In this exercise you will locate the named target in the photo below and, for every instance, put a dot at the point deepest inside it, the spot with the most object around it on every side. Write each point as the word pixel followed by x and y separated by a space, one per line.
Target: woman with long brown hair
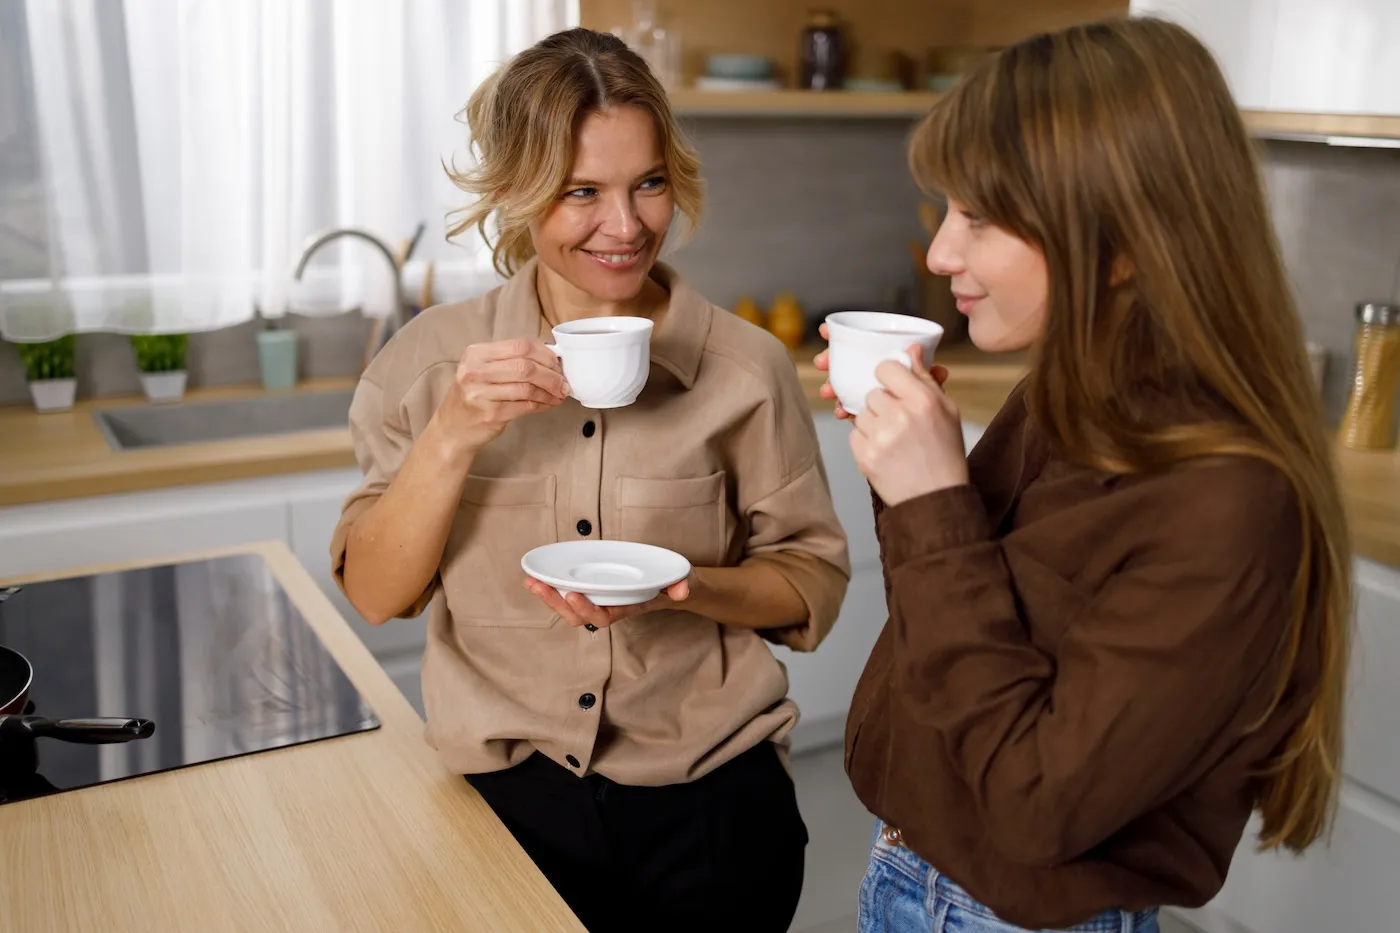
pixel 637 753
pixel 1120 625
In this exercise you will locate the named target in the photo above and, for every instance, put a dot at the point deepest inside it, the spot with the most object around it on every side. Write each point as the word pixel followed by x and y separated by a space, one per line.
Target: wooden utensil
pixel 425 293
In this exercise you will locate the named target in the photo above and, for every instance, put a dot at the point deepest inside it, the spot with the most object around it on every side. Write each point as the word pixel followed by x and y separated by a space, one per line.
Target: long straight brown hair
pixel 1115 148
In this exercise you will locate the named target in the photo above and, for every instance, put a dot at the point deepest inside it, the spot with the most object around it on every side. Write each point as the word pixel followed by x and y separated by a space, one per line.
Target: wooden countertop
pixel 362 832
pixel 64 455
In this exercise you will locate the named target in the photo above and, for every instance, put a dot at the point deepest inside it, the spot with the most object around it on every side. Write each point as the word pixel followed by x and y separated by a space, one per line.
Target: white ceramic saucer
pixel 609 573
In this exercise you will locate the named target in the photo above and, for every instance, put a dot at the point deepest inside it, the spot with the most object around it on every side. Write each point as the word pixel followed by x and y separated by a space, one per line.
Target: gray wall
pixel 826 208
pixel 1337 213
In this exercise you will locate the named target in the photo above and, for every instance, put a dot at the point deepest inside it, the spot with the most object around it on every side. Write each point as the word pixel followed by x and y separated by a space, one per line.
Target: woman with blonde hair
pixel 1120 625
pixel 637 754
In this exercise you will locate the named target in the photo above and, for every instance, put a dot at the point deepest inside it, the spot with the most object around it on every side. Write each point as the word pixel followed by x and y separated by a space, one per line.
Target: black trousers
pixel 722 853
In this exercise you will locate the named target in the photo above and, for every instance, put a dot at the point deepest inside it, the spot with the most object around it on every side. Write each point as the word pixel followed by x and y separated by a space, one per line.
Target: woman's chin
pixel 613 284
pixel 991 337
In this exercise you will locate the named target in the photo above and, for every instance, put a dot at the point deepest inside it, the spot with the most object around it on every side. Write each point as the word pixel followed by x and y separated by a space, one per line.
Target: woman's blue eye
pixel 653 183
pixel 581 193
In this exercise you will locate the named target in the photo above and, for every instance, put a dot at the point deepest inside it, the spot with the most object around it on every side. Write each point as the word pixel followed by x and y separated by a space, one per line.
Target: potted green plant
pixel 49 368
pixel 161 359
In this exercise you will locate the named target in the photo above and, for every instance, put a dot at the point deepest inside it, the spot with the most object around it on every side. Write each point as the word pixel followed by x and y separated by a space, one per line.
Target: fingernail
pixel 567 390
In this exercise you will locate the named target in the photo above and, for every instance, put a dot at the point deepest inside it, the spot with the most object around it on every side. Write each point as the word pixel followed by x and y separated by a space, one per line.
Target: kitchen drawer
pixel 76 533
pixel 1372 752
pixel 406 671
pixel 821 682
pixel 312 517
pixel 1349 887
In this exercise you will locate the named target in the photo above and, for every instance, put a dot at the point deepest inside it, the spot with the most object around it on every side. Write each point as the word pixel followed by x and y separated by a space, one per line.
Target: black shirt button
pixel 585 527
pixel 573 762
pixel 588 428
pixel 587 700
pixel 590 626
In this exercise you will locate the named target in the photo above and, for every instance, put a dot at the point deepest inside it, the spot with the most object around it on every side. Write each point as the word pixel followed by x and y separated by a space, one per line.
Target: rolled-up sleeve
pixel 381 444
pixel 793 527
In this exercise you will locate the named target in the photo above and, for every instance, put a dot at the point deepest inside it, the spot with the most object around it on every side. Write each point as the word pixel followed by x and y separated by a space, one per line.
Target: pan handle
pixel 85 731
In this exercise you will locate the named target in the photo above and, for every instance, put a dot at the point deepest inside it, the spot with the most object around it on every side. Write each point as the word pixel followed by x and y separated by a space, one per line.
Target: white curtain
pixel 163 161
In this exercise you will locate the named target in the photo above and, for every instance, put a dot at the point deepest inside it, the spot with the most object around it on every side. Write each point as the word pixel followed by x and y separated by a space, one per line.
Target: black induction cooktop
pixel 213 651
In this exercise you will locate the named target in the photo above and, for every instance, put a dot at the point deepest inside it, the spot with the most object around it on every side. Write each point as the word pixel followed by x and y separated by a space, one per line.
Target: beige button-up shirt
pixel 717 459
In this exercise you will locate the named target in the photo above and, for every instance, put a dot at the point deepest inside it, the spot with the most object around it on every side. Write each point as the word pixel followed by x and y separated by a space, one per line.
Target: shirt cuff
pixel 937 521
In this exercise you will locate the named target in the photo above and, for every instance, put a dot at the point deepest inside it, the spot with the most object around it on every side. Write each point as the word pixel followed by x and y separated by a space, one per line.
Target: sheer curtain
pixel 162 161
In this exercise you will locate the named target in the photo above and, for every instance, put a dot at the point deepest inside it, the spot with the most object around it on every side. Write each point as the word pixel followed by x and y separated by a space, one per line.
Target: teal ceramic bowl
pixel 747 67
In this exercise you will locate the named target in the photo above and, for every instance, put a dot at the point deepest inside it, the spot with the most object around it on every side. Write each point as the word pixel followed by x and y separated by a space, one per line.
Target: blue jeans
pixel 902 893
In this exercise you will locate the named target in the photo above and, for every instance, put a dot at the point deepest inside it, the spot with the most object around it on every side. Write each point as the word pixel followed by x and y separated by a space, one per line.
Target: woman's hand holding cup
pixel 822 361
pixel 496 383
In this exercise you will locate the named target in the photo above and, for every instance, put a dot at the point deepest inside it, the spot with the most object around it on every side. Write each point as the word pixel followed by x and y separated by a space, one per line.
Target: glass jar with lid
pixel 1369 422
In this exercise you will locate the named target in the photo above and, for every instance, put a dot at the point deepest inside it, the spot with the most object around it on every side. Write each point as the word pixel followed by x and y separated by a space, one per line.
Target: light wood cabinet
pixel 874 28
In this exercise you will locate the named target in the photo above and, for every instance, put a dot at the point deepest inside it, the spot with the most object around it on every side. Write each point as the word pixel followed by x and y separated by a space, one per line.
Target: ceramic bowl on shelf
pixel 722 85
pixel 608 573
pixel 741 67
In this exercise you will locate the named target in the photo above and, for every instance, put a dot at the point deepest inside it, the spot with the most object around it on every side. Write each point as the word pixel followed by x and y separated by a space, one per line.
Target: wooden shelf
pixel 1319 126
pixel 792 103
pixel 1268 124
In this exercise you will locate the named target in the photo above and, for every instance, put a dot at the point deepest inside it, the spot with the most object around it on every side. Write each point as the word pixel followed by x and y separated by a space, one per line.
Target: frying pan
pixel 16 674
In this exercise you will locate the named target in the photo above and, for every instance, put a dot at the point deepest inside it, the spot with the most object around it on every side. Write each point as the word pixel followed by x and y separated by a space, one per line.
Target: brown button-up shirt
pixel 1058 712
pixel 717 460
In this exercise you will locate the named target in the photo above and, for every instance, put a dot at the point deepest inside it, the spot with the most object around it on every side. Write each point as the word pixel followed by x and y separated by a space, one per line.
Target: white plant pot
pixel 53 394
pixel 164 387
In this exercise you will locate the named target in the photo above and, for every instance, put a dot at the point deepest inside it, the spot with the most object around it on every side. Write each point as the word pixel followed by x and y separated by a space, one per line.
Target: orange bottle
pixel 786 320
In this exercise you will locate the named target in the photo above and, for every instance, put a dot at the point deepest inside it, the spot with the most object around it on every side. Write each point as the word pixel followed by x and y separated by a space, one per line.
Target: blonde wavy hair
pixel 522 122
pixel 1120 141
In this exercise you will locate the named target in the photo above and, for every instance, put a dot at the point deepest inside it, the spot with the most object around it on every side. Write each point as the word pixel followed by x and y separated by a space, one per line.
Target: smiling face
pixel 1000 282
pixel 603 233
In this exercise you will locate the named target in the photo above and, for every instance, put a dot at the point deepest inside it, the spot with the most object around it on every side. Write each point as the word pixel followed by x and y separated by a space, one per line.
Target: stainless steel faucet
pixel 397 315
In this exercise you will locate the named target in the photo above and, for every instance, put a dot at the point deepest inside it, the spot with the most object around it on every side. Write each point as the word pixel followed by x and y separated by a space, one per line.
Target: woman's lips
pixel 967 302
pixel 616 260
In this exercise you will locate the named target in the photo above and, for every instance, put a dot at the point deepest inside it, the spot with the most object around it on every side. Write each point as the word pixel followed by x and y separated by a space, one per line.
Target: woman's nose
pixel 944 253
pixel 622 222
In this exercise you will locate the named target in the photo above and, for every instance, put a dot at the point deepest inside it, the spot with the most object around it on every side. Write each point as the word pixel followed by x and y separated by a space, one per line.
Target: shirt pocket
pixel 498 520
pixel 688 516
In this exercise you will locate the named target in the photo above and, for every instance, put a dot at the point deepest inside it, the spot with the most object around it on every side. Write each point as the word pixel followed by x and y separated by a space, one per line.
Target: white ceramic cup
pixel 860 341
pixel 606 359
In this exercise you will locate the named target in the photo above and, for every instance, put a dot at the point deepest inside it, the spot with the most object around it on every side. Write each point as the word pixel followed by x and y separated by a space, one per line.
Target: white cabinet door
pixel 1336 57
pixel 136 526
pixel 1372 749
pixel 313 513
pixel 1349 886
pixel 821 682
pixel 1239 33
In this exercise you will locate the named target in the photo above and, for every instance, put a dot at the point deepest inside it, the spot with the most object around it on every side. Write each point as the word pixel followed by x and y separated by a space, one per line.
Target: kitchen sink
pixel 226 419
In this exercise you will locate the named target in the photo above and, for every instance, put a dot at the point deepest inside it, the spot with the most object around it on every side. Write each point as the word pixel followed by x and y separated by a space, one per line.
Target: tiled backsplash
pixel 329 346
pixel 825 209
pixel 1337 213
